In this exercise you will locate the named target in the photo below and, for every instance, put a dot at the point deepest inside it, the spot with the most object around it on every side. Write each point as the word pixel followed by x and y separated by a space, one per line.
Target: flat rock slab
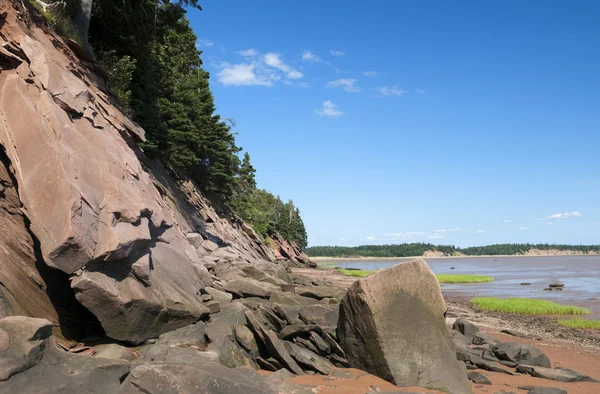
pixel 558 374
pixel 392 325
pixel 208 378
pixel 478 378
pixel 542 390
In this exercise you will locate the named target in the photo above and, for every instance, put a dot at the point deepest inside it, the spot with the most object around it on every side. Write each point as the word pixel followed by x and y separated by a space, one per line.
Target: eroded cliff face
pixel 133 244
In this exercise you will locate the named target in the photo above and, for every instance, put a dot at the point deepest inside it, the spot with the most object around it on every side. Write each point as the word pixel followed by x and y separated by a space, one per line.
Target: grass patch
pixel 527 306
pixel 458 278
pixel 580 323
pixel 359 273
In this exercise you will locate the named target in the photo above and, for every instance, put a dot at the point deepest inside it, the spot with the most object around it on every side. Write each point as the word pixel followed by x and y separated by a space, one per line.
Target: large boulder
pixel 392 325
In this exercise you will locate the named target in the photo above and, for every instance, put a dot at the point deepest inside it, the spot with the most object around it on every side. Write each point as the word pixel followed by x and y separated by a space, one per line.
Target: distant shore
pixel 320 259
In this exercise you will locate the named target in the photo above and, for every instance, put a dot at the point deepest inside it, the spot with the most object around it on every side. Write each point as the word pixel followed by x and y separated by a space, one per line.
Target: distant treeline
pixel 419 249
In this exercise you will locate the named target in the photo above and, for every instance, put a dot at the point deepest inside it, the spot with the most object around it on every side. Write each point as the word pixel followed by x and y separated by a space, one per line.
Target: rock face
pixel 392 325
pixel 90 231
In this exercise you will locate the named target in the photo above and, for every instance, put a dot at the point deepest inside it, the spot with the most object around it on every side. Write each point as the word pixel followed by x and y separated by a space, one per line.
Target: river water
pixel 580 275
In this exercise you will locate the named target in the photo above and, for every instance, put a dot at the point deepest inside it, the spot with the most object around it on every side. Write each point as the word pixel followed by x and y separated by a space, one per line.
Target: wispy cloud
pixel 337 53
pixel 329 109
pixel 524 228
pixel 371 238
pixel 507 221
pixel 480 231
pixel 370 73
pixel 308 56
pixel 435 236
pixel 565 215
pixel 204 43
pixel 406 234
pixel 248 52
pixel 347 84
pixel 457 229
pixel 390 91
pixel 274 60
pixel 420 91
pixel 441 230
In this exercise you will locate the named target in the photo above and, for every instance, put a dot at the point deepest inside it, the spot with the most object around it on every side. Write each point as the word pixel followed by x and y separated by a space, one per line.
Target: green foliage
pixel 580 323
pixel 400 250
pixel 269 215
pixel 526 306
pixel 418 249
pixel 120 71
pixel 59 18
pixel 459 278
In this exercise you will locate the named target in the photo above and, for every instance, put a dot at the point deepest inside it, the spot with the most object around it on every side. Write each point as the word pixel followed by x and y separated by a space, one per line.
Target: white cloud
pixel 329 109
pixel 248 52
pixel 204 43
pixel 370 73
pixel 548 223
pixel 342 239
pixel 346 84
pixel 457 229
pixel 308 56
pixel 407 234
pixel 441 230
pixel 480 231
pixel 337 53
pixel 524 228
pixel 371 238
pixel 420 91
pixel 435 236
pixel 564 215
pixel 243 75
pixel 274 60
pixel 390 91
pixel 507 221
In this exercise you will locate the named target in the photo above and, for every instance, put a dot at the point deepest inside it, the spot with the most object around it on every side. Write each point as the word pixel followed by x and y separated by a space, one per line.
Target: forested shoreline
pixel 156 77
pixel 420 249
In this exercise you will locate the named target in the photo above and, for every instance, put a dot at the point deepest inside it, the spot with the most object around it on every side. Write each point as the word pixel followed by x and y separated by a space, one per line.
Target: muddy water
pixel 580 275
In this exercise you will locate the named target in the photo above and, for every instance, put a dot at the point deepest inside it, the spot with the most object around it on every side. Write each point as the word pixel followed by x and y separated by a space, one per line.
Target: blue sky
pixel 462 123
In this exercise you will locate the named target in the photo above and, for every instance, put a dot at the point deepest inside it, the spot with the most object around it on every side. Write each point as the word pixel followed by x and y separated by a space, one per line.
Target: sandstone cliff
pixel 92 234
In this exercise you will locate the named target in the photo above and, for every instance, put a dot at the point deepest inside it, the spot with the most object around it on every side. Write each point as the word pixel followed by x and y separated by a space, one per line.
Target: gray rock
pixel 246 339
pixel 213 307
pixel 255 327
pixel 266 365
pixel 335 347
pixel 282 374
pixel 341 374
pixel 320 343
pixel 192 335
pixel 271 318
pixel 241 288
pixel 558 374
pixel 289 313
pixel 321 315
pixel 515 333
pixel 482 339
pixel 115 352
pixel 478 378
pixel 320 292
pixel 289 332
pixel 392 325
pixel 219 331
pixel 521 354
pixel 489 366
pixel 221 297
pixel 542 390
pixel 339 361
pixel 22 343
pixel 460 339
pixel 208 378
pixel 290 299
pixel 308 359
pixel 62 372
pixel 277 349
pixel 465 327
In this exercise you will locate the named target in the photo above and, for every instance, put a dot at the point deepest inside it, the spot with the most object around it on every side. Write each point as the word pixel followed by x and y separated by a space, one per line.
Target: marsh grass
pixel 359 273
pixel 459 278
pixel 580 323
pixel 527 306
